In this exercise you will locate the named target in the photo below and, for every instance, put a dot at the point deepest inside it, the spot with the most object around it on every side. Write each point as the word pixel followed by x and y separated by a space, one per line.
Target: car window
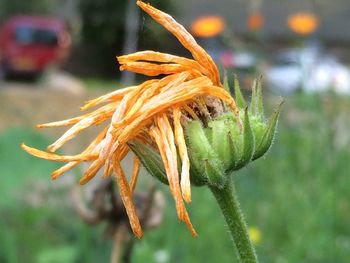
pixel 30 35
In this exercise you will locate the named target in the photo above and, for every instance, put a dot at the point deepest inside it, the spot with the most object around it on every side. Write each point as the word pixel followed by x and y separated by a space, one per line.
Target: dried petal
pixel 181 144
pixel 185 38
pixel 135 173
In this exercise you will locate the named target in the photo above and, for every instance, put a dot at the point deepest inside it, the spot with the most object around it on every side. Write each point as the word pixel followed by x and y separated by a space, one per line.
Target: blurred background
pixel 55 54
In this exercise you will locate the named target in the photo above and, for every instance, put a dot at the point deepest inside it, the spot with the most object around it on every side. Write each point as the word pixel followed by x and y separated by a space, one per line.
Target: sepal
pixel 266 141
pixel 248 142
pixel 150 159
pixel 238 93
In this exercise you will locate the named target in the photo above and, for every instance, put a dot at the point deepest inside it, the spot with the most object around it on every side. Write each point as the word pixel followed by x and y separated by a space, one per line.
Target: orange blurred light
pixel 303 23
pixel 255 21
pixel 207 26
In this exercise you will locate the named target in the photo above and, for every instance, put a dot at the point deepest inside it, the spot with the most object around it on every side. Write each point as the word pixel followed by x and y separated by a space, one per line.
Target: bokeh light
pixel 207 26
pixel 255 21
pixel 303 23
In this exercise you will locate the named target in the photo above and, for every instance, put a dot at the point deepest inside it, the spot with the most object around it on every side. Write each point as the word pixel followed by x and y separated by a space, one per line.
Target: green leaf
pixel 248 142
pixel 221 142
pixel 150 159
pixel 200 149
pixel 226 86
pixel 269 134
pixel 238 94
pixel 234 153
pixel 256 104
pixel 216 177
pixel 259 99
pixel 253 98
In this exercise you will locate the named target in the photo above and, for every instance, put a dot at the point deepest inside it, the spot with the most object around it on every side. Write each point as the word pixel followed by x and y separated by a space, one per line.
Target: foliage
pixel 103 30
pixel 31 228
pixel 14 7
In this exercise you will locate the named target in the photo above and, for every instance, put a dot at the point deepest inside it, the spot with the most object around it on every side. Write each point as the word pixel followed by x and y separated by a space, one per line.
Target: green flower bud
pixel 220 146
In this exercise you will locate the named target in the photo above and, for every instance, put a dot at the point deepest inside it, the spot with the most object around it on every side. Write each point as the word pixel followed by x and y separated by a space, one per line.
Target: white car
pixel 309 70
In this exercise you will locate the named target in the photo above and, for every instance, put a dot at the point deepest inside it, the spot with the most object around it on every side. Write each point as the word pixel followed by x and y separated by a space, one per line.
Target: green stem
pixel 228 202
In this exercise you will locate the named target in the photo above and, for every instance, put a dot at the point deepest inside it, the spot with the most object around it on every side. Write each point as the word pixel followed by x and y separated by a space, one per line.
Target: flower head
pixel 254 234
pixel 150 119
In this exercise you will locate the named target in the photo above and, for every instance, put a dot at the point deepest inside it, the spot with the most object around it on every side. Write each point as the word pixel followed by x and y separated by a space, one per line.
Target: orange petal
pixel 135 173
pixel 166 100
pixel 88 150
pixel 74 120
pixel 142 99
pixel 126 103
pixel 98 117
pixel 190 111
pixel 165 153
pixel 151 69
pixel 118 152
pixel 56 157
pixel 185 38
pixel 189 225
pixel 167 135
pixel 63 122
pixel 162 57
pixel 126 197
pixel 181 145
pixel 163 98
pixel 152 91
pixel 68 166
pixel 112 96
pixel 91 171
pixel 163 137
pixel 203 107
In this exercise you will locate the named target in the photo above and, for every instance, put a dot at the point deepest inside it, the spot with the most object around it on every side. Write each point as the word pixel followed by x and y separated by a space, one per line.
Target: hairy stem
pixel 228 202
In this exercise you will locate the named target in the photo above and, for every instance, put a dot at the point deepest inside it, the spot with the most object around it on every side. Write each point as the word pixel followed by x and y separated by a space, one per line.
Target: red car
pixel 29 44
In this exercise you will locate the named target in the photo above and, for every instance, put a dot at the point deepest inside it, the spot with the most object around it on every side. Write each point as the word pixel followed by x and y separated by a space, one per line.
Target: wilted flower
pixel 186 113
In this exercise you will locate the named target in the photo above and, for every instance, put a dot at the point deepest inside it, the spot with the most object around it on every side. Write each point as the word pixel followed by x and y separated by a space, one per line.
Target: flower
pixel 150 113
pixel 254 234
pixel 157 120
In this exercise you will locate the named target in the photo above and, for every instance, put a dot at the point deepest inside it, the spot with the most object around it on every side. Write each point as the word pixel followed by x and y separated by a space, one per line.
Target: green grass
pixel 47 232
pixel 18 168
pixel 98 84
pixel 297 196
